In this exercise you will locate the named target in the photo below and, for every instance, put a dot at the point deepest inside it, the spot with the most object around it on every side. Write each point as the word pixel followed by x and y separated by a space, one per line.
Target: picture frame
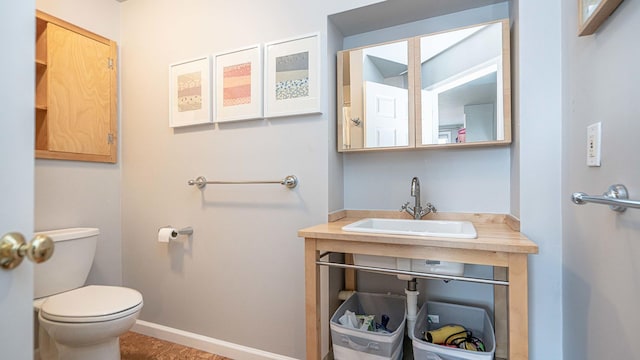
pixel 292 76
pixel 592 13
pixel 238 85
pixel 190 92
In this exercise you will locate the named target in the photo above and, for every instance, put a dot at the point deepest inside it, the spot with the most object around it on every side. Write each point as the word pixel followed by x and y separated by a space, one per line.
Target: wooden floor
pixel 134 346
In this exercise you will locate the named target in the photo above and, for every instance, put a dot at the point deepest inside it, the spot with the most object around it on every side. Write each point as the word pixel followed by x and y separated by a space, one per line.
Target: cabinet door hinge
pixel 110 63
pixel 110 138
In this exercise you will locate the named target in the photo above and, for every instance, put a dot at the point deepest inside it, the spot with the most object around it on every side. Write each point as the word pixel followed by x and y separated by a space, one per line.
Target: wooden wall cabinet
pixel 76 93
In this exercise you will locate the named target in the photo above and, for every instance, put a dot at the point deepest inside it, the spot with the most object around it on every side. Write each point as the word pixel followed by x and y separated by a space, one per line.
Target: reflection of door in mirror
pixel 387 116
pixel 462 70
pixel 375 96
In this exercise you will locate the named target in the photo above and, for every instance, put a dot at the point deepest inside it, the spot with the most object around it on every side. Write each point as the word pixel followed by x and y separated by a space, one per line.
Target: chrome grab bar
pixel 290 181
pixel 616 197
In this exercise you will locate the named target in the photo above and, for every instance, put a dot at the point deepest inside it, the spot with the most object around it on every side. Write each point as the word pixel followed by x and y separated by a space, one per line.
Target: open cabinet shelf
pixel 75 93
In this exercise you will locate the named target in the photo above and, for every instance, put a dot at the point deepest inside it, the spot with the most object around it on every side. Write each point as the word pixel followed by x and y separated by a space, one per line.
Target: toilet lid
pixel 92 303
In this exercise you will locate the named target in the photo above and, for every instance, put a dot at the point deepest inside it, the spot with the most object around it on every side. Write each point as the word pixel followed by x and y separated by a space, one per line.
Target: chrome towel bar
pixel 412 273
pixel 616 197
pixel 290 181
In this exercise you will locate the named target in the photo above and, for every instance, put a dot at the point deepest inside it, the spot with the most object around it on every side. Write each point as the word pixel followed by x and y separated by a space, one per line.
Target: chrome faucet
pixel 417 211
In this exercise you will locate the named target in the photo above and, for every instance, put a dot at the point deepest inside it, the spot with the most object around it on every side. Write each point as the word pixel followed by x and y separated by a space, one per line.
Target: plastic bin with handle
pixel 473 319
pixel 350 343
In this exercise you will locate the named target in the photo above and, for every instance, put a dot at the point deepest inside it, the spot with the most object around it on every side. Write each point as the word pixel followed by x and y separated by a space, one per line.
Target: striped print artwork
pixel 237 84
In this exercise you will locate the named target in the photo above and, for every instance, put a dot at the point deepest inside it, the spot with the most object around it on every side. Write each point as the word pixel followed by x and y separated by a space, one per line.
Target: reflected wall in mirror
pixel 464 92
pixel 374 96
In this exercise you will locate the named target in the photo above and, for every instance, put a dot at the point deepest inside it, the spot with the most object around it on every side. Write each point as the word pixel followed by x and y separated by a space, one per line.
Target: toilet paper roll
pixel 166 234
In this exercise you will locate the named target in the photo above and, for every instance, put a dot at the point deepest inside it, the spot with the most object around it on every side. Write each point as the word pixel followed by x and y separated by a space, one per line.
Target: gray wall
pixel 82 194
pixel 540 120
pixel 601 248
pixel 453 180
pixel 336 178
pixel 370 72
pixel 240 278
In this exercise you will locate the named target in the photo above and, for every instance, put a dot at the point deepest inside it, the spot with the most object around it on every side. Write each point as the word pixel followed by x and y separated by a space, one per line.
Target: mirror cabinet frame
pixel 341 93
pixel 414 93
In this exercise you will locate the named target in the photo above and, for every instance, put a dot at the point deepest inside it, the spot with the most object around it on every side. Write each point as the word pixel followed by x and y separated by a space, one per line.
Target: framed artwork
pixel 292 76
pixel 592 13
pixel 190 92
pixel 238 84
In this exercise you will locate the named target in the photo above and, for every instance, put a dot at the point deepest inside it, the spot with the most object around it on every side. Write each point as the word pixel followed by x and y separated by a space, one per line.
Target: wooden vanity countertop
pixel 495 232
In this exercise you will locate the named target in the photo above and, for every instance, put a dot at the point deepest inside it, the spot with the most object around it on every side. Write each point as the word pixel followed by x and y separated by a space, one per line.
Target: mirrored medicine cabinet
pixel 445 89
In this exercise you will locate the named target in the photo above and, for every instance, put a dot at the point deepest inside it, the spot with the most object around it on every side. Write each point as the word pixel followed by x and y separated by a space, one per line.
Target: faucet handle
pixel 429 208
pixel 404 206
pixel 432 208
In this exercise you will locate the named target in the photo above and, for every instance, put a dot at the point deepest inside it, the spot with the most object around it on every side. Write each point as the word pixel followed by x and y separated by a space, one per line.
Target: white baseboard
pixel 204 343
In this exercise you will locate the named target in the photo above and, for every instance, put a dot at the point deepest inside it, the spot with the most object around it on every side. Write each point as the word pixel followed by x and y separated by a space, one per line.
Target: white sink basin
pixel 436 228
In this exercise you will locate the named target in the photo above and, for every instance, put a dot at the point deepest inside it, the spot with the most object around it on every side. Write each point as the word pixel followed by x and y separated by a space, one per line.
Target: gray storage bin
pixel 350 343
pixel 472 318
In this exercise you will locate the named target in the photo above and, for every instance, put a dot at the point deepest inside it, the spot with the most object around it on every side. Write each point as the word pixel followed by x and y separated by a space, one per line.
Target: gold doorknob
pixel 13 249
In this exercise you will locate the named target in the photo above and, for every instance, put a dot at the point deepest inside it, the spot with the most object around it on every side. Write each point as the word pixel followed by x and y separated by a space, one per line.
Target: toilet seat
pixel 92 303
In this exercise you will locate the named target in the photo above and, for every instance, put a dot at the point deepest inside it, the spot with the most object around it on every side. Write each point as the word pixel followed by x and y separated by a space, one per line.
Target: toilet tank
pixel 70 263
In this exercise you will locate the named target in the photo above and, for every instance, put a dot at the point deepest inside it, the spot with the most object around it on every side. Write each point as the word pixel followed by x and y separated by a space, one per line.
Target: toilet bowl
pixel 84 322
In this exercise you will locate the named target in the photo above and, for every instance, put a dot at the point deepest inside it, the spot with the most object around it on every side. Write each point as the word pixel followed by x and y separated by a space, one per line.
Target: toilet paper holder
pixel 184 231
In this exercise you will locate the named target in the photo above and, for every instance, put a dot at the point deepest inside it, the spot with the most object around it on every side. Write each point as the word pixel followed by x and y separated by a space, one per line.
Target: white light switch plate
pixel 594 135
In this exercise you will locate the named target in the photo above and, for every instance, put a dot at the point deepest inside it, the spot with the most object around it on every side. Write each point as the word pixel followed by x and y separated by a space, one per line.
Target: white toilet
pixel 76 321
